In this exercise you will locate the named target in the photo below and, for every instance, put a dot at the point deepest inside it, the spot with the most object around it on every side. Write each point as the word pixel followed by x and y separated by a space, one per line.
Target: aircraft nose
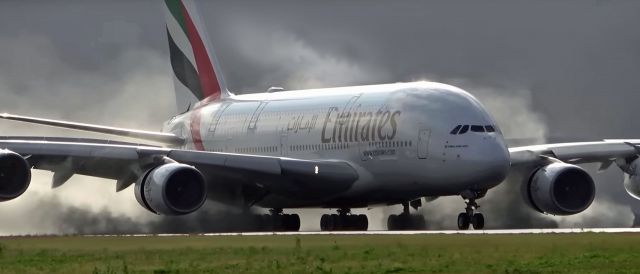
pixel 492 162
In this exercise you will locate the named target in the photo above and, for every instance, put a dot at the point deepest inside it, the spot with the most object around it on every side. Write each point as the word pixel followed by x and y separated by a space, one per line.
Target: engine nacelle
pixel 632 180
pixel 15 175
pixel 560 189
pixel 171 189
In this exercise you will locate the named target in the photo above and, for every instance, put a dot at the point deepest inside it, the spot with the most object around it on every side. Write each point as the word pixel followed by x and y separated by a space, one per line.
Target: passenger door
pixel 423 143
pixel 284 147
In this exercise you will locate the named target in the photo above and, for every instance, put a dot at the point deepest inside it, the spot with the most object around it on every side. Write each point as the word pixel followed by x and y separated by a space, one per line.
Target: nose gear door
pixel 423 143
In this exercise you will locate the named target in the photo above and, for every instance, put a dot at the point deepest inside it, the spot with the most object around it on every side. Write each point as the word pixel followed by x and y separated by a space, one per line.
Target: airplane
pixel 338 148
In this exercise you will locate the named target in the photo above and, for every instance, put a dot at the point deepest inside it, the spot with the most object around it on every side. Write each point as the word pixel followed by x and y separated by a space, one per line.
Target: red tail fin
pixel 197 76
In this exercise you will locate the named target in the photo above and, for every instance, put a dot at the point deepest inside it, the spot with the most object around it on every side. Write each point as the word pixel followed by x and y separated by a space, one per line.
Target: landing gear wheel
pixel 477 221
pixel 363 222
pixel 291 222
pixel 276 221
pixel 392 222
pixel 258 223
pixel 334 223
pixel 267 222
pixel 463 221
pixel 418 222
pixel 406 221
pixel 343 221
pixel 324 222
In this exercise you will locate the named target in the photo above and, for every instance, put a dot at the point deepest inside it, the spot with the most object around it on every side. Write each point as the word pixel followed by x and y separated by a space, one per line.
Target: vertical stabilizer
pixel 196 72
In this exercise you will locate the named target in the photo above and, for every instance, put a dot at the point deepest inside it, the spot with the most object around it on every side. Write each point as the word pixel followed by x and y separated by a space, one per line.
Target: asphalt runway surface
pixel 410 232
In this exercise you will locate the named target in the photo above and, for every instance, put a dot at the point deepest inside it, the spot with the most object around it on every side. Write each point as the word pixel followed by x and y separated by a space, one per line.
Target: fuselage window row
pixel 339 146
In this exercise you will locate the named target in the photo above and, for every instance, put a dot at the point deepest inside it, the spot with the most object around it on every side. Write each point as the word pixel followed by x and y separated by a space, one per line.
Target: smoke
pixel 134 90
pixel 291 62
pixel 43 214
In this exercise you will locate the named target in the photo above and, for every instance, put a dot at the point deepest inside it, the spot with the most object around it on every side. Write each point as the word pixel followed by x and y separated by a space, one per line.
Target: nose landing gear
pixel 469 217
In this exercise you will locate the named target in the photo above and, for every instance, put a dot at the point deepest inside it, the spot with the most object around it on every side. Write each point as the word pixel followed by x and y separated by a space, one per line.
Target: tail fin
pixel 197 75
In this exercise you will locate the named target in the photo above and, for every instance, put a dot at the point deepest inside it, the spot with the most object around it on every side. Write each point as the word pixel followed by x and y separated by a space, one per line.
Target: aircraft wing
pixel 605 152
pixel 125 162
pixel 160 137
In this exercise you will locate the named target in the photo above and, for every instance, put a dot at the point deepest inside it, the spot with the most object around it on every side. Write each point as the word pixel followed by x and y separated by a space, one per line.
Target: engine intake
pixel 560 189
pixel 171 189
pixel 15 175
pixel 632 178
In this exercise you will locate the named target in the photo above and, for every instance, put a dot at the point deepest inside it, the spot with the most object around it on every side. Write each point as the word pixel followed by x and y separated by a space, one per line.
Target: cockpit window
pixel 477 128
pixel 455 130
pixel 464 129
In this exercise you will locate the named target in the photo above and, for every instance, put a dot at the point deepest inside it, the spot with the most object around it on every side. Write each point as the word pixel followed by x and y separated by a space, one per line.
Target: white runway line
pixel 412 232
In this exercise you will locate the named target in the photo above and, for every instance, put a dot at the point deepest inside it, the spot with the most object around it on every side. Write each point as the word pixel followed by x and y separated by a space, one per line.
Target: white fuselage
pixel 397 136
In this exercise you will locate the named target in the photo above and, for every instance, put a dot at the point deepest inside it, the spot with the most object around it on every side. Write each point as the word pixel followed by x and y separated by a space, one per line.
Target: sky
pixel 547 70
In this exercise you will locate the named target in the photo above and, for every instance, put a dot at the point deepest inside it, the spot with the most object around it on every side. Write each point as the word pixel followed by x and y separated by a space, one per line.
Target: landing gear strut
pixel 406 220
pixel 277 221
pixel 469 217
pixel 344 220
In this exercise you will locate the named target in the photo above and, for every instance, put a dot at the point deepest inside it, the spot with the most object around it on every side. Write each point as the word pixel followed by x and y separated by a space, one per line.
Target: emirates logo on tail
pixel 192 63
pixel 197 78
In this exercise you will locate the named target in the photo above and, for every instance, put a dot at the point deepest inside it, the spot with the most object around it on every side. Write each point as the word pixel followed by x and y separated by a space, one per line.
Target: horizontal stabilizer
pixel 166 138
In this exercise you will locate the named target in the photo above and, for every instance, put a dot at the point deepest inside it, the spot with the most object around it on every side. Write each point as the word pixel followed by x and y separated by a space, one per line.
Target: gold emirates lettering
pixel 341 127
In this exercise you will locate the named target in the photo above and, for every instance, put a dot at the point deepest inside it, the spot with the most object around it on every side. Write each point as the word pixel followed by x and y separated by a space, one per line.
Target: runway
pixel 411 232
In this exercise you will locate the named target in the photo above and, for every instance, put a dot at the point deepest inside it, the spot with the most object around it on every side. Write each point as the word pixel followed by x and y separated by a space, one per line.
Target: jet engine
pixel 15 175
pixel 171 189
pixel 560 189
pixel 632 178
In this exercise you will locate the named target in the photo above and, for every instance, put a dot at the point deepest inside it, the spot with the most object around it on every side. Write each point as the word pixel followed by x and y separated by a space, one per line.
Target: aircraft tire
pixel 418 222
pixel 392 223
pixel 335 222
pixel 477 221
pixel 363 222
pixel 463 221
pixel 324 222
pixel 292 222
pixel 267 223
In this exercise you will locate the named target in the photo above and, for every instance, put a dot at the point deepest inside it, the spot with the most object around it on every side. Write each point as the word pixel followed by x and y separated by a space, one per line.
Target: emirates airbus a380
pixel 339 148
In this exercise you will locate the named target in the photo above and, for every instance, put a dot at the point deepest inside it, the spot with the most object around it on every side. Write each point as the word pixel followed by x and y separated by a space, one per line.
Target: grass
pixel 542 253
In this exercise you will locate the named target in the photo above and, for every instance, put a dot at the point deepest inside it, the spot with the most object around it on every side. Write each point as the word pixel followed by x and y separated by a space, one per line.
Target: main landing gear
pixel 277 221
pixel 406 220
pixel 344 220
pixel 469 217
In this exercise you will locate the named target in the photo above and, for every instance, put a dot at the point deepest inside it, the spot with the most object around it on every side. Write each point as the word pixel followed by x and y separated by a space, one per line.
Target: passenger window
pixel 455 130
pixel 490 128
pixel 476 128
pixel 464 129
